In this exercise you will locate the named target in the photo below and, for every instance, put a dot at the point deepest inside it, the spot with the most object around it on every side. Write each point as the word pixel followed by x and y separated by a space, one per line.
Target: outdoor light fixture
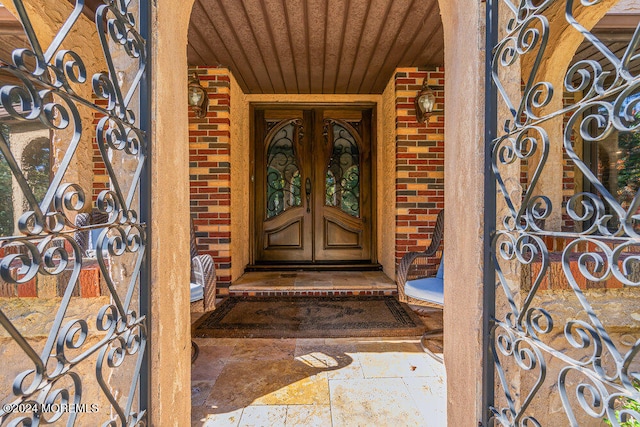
pixel 425 101
pixel 198 98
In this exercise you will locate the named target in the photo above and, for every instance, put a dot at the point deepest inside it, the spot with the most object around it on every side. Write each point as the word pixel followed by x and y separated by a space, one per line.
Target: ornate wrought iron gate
pixel 73 144
pixel 565 156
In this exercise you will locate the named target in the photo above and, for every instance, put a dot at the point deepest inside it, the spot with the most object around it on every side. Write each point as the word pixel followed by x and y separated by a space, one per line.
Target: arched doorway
pixel 251 55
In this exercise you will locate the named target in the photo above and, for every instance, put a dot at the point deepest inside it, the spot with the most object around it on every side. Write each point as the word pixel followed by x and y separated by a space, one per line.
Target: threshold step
pixel 310 293
pixel 314 267
pixel 315 283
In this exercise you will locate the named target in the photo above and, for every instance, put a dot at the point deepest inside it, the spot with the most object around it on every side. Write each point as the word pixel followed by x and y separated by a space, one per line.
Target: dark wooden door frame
pixel 253 106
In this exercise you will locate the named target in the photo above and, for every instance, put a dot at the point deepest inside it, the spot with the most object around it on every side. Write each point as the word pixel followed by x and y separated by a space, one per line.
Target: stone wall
pixel 35 316
pixel 617 309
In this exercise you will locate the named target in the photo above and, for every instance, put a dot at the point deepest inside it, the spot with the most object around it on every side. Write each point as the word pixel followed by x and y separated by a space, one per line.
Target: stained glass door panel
pixel 342 175
pixel 283 172
pixel 342 224
pixel 283 217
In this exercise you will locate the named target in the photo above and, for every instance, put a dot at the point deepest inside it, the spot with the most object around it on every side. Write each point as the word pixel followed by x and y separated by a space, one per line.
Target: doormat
pixel 309 317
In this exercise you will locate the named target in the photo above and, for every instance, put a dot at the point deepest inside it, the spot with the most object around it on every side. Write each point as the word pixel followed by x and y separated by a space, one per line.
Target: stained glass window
pixel 342 182
pixel 283 173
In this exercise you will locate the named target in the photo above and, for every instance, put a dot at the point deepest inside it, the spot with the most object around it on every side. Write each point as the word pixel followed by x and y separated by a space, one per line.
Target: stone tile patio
pixel 316 382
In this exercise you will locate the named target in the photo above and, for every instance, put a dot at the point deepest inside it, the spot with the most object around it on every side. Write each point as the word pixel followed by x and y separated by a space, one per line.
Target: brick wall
pixel 100 175
pixel 419 160
pixel 568 169
pixel 209 172
pixel 90 281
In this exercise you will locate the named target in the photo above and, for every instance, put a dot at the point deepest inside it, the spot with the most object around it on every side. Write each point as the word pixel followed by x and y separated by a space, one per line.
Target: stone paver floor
pixel 316 382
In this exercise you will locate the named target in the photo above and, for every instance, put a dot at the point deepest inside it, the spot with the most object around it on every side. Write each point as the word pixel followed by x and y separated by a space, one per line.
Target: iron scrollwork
pixel 88 366
pixel 283 179
pixel 342 181
pixel 565 271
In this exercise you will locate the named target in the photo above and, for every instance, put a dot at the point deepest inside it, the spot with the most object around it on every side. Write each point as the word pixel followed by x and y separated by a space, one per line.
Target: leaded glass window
pixel 342 179
pixel 283 172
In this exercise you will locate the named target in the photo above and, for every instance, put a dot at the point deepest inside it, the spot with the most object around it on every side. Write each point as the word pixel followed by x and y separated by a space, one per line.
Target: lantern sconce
pixel 198 99
pixel 425 102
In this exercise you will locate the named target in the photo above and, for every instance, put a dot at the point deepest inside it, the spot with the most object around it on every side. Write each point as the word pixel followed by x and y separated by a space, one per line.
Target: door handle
pixel 307 188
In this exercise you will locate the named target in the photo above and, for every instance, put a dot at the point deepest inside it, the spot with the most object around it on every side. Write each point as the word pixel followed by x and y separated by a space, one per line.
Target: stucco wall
pixel 240 183
pixel 386 179
pixel 170 326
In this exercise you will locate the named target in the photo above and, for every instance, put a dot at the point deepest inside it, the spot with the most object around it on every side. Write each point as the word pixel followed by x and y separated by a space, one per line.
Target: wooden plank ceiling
pixel 11 34
pixel 315 46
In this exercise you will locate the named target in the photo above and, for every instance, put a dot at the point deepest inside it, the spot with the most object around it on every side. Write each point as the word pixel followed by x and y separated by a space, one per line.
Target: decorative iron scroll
pixel 283 172
pixel 566 249
pixel 73 328
pixel 342 180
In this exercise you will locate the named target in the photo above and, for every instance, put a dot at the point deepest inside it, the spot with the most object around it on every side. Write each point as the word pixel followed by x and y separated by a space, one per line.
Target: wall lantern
pixel 425 101
pixel 198 98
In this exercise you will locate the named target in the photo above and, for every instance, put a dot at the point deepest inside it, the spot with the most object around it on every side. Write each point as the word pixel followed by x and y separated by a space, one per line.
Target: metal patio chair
pixel 417 283
pixel 203 277
pixel 87 240
pixel 202 284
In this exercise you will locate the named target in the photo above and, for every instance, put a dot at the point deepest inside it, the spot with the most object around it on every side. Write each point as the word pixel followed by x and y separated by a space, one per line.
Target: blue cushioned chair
pixel 427 289
pixel 417 284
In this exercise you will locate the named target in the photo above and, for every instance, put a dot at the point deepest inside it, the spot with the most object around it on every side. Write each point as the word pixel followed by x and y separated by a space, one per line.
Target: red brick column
pixel 210 173
pixel 419 160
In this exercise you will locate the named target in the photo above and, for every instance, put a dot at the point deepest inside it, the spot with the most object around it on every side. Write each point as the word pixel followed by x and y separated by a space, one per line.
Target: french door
pixel 312 190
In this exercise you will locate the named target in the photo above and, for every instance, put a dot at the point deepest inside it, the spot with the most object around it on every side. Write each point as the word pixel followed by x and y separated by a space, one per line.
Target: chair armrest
pixel 414 265
pixel 415 260
pixel 204 273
